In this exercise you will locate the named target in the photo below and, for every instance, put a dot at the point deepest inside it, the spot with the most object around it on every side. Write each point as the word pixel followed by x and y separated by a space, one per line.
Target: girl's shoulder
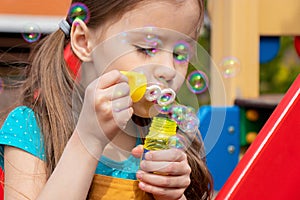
pixel 21 119
pixel 19 111
pixel 20 129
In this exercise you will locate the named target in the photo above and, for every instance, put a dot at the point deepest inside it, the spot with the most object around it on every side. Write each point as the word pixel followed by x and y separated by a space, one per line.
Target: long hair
pixel 49 86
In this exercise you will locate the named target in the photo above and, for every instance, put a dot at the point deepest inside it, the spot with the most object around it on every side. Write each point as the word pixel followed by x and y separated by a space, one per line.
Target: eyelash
pixel 148 51
pixel 145 51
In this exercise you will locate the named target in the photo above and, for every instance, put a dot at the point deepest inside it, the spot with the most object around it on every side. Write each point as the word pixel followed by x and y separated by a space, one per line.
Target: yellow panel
pixel 234 33
pixel 277 17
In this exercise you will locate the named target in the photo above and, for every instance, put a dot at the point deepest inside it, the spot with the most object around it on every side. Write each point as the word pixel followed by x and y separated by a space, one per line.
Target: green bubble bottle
pixel 161 130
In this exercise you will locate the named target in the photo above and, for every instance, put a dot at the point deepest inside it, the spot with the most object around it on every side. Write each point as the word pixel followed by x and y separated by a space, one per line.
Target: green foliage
pixel 277 75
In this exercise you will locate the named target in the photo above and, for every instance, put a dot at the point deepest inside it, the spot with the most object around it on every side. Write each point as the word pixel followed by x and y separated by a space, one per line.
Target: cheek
pixel 114 54
pixel 126 62
pixel 181 73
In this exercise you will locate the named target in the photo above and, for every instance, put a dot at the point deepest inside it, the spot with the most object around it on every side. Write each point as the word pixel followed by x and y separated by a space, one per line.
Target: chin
pixel 145 109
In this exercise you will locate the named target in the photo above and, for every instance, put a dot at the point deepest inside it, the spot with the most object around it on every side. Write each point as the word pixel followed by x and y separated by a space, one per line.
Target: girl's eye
pixel 147 51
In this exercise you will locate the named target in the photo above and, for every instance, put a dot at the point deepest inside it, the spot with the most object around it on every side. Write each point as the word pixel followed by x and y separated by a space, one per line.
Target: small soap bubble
pixel 80 11
pixel 190 111
pixel 230 66
pixel 152 93
pixel 31 33
pixel 163 109
pixel 152 43
pixel 152 39
pixel 166 97
pixel 181 52
pixel 178 113
pixel 189 125
pixel 151 51
pixel 197 82
pixel 177 141
pixel 123 37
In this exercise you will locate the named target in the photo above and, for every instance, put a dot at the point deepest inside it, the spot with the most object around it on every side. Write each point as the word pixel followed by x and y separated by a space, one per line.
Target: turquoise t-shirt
pixel 21 130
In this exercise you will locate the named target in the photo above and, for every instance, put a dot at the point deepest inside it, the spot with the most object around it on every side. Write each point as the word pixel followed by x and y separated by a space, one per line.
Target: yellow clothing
pixel 111 188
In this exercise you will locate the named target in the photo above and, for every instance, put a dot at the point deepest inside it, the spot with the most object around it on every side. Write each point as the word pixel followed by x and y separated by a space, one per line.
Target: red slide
pixel 270 169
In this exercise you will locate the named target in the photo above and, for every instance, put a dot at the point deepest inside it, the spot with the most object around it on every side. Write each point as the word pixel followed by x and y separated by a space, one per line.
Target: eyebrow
pixel 158 32
pixel 143 32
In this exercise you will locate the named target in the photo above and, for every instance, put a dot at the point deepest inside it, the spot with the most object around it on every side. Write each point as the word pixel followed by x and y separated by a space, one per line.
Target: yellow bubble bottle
pixel 161 130
pixel 137 83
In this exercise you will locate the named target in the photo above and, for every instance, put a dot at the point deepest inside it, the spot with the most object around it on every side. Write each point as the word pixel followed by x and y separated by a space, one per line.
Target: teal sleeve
pixel 21 130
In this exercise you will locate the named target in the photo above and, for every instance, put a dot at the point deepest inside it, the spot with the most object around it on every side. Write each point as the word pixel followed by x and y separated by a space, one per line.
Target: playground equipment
pixel 249 32
pixel 269 169
pixel 237 27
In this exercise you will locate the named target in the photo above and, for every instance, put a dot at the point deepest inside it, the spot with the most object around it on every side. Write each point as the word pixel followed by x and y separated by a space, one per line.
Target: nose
pixel 164 67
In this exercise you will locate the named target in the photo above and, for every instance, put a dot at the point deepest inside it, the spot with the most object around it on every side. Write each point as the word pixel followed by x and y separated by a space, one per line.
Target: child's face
pixel 155 39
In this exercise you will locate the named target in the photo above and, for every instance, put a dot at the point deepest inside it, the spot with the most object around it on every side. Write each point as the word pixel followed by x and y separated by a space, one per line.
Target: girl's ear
pixel 81 40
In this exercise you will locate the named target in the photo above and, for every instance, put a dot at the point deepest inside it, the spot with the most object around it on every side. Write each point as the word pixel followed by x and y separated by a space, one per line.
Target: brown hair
pixel 49 76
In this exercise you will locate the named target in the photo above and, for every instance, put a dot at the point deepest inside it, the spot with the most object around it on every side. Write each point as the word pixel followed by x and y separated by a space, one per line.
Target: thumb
pixel 137 151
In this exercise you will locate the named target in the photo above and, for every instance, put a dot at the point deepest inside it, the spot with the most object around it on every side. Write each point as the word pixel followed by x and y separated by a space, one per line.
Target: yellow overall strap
pixel 111 188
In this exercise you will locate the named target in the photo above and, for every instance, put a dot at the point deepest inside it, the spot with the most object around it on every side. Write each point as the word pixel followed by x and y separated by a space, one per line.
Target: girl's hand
pixel 105 111
pixel 171 173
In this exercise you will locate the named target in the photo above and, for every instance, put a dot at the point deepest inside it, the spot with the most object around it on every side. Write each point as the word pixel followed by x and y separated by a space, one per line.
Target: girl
pixel 57 148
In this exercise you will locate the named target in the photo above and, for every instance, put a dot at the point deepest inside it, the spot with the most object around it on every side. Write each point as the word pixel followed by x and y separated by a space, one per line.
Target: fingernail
pixel 142 185
pixel 139 175
pixel 148 156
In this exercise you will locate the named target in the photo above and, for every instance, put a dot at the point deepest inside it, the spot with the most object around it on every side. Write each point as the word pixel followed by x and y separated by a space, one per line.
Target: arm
pixel 73 173
pixel 98 124
pixel 25 176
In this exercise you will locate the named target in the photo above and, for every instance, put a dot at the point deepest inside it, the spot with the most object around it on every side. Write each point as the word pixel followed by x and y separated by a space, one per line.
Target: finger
pixel 163 193
pixel 182 181
pixel 122 117
pixel 117 91
pixel 137 151
pixel 170 168
pixel 103 97
pixel 120 104
pixel 111 78
pixel 171 155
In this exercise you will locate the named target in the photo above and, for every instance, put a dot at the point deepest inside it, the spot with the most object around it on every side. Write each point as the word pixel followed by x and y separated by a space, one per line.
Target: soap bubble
pixel 152 93
pixel 197 82
pixel 153 40
pixel 31 33
pixel 177 141
pixel 163 109
pixel 80 11
pixel 152 44
pixel 166 97
pixel 189 125
pixel 151 51
pixel 178 113
pixel 230 66
pixel 181 52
